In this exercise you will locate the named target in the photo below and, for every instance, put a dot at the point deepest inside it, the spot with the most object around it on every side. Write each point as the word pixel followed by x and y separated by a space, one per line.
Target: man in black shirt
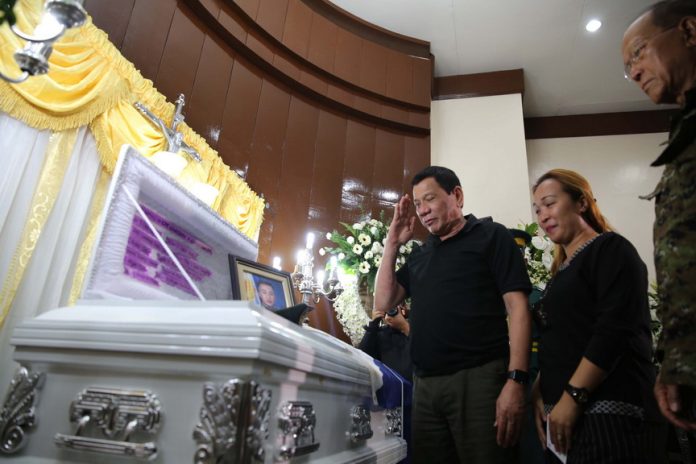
pixel 469 375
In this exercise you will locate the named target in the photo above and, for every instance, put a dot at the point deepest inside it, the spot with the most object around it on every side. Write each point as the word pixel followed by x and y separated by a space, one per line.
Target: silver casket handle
pixel 115 413
pixel 122 448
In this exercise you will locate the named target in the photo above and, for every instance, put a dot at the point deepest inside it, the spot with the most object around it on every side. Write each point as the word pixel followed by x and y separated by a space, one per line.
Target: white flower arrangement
pixel 364 257
pixel 350 312
pixel 539 256
pixel 359 263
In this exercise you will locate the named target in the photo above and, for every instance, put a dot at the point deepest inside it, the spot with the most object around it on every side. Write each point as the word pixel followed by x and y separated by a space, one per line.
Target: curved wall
pixel 323 114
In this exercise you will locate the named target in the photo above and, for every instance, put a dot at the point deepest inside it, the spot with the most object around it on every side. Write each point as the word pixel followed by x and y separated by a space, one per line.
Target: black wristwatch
pixel 580 395
pixel 521 377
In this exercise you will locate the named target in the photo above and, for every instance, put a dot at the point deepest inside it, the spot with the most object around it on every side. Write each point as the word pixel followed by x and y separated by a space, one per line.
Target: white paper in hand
pixel 563 457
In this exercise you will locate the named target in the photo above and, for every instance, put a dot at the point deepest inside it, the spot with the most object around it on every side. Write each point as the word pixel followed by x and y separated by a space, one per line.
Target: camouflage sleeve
pixel 675 264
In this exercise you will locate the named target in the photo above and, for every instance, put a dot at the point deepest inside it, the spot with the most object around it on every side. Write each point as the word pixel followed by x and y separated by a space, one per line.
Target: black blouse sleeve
pixel 620 286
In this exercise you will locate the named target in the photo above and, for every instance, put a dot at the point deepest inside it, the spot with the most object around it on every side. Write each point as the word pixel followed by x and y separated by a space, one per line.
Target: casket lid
pixel 207 331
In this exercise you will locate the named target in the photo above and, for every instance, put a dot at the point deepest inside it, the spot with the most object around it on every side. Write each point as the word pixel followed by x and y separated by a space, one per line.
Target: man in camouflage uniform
pixel 659 52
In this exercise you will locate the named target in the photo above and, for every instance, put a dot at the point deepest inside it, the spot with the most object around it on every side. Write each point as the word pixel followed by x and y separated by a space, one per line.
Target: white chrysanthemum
pixel 368 255
pixel 357 249
pixel 402 249
pixel 364 239
pixel 377 247
pixel 364 267
pixel 341 256
pixel 375 222
pixel 322 251
pixel 378 261
pixel 358 226
pixel 374 230
pixel 328 236
pixel 539 243
pixel 547 259
pixel 350 239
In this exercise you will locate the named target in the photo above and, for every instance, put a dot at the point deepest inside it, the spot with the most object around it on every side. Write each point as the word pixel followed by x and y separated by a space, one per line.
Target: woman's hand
pixel 562 419
pixel 539 413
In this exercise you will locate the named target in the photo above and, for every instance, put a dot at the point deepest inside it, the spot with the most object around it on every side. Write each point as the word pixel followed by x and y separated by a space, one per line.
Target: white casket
pixel 189 382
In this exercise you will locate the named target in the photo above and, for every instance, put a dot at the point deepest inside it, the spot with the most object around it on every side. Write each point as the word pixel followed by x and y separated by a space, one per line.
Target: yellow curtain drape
pixel 90 83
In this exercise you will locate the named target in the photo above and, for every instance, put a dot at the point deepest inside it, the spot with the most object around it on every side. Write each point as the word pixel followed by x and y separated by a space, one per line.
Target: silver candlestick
pixel 303 278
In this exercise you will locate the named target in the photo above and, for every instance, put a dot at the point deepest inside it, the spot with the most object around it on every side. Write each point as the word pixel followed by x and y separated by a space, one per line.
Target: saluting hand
pixel 402 225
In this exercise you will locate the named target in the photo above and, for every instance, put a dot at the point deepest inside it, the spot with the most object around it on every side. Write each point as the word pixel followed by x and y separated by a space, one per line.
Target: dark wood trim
pixel 369 31
pixel 222 33
pixel 479 85
pixel 587 125
pixel 281 49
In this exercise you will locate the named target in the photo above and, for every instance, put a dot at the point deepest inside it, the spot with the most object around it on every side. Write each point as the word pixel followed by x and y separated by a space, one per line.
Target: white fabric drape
pixel 48 277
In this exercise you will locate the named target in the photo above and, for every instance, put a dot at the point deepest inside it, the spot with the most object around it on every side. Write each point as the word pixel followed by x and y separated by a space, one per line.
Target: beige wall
pixel 618 168
pixel 482 140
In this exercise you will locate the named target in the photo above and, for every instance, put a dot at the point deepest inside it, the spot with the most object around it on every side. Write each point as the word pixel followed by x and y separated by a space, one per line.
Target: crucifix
pixel 175 139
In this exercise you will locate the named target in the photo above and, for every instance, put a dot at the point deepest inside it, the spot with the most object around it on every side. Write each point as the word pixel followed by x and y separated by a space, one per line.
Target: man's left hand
pixel 509 413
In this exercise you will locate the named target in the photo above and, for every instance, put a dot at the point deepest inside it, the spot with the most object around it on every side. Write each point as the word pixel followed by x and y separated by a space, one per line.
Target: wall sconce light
pixel 57 17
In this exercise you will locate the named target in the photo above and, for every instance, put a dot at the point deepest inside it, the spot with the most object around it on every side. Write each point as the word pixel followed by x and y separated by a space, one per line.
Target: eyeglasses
pixel 639 51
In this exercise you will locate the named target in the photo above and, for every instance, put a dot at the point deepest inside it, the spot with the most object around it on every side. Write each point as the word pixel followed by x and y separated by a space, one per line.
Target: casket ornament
pixel 18 409
pixel 394 421
pixel 360 428
pixel 296 423
pixel 234 422
pixel 116 414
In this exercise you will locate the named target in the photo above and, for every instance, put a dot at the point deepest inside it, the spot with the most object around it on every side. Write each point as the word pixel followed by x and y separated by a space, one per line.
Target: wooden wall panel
pixel 207 103
pixel 250 7
pixel 325 202
pixel 322 43
pixel 298 24
pixel 373 67
pixel 266 154
pixel 422 82
pixel 239 119
pixel 356 191
pixel 326 124
pixel 399 76
pixel 112 17
pixel 147 34
pixel 271 17
pixel 388 174
pixel 295 180
pixel 179 63
pixel 347 57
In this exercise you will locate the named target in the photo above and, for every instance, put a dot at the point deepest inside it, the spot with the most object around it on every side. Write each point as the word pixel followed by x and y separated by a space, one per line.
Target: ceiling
pixel 567 70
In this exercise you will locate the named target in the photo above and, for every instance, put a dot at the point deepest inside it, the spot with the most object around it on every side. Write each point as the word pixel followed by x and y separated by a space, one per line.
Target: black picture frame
pixel 252 281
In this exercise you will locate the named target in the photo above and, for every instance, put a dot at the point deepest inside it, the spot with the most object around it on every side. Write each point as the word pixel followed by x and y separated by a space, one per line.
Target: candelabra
pixel 304 281
pixel 58 15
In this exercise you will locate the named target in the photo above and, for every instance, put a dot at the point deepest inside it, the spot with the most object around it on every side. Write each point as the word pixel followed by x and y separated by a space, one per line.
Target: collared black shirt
pixel 458 316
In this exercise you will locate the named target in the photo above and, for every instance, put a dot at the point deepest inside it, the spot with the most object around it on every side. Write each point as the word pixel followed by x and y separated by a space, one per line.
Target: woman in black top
pixel 596 375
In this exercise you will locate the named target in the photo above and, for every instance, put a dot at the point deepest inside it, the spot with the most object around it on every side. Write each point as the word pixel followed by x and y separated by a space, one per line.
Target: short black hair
pixel 668 13
pixel 264 282
pixel 445 177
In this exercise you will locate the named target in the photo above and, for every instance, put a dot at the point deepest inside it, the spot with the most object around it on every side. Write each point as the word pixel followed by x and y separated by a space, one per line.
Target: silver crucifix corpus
pixel 175 139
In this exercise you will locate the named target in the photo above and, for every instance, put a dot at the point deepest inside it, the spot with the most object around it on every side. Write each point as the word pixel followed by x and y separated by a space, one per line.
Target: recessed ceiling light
pixel 593 25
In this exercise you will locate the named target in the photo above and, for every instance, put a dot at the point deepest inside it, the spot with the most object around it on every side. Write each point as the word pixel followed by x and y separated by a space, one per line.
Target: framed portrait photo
pixel 264 285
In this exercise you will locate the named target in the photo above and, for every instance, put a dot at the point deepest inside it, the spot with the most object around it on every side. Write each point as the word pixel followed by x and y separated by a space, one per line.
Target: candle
pixel 310 240
pixel 276 262
pixel 333 265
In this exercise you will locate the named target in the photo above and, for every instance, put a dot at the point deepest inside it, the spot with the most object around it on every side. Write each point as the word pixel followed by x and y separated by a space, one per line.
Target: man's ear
pixel 687 27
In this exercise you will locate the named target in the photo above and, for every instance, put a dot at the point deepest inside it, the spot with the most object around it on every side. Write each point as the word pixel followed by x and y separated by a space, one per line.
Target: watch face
pixel 579 395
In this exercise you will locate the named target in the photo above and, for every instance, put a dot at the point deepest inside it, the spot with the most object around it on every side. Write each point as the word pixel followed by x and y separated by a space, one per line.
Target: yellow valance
pixel 90 83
